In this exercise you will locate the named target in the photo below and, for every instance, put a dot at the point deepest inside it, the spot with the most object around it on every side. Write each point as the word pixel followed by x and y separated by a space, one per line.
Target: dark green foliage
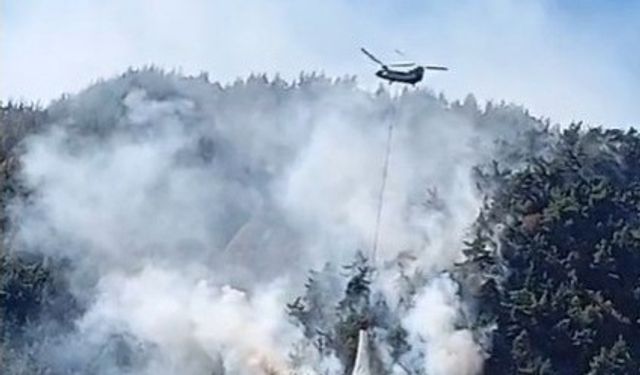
pixel 16 122
pixel 35 302
pixel 353 312
pixel 334 327
pixel 33 289
pixel 21 283
pixel 556 259
pixel 613 360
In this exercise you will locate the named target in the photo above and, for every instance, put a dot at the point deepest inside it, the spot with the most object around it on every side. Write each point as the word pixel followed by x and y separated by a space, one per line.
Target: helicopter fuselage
pixel 411 77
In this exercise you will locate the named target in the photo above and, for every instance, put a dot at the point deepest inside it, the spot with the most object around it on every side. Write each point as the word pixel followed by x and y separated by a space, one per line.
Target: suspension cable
pixel 383 185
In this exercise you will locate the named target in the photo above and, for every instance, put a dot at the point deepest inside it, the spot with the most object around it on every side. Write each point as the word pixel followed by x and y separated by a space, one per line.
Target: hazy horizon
pixel 561 61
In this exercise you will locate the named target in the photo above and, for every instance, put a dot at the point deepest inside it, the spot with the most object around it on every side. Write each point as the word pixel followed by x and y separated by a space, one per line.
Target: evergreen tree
pixel 560 276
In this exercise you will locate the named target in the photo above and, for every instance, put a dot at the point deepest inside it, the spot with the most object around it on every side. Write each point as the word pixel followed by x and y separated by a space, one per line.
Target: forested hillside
pixel 557 255
pixel 155 223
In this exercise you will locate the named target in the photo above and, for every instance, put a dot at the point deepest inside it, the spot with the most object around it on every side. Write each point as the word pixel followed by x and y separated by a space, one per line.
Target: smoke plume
pixel 191 214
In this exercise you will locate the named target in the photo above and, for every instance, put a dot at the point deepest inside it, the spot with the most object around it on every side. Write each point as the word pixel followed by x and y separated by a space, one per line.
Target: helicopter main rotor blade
pixel 369 55
pixel 402 65
pixel 433 67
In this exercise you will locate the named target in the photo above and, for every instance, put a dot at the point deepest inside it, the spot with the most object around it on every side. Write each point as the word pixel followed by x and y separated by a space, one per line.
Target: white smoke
pixel 449 351
pixel 192 213
pixel 193 323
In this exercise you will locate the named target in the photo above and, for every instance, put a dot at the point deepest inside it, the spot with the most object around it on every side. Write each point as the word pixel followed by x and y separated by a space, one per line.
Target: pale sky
pixel 561 59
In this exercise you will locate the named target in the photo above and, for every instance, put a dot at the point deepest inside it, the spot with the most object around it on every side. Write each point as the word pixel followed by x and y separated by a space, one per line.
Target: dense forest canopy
pixel 557 253
pixel 513 247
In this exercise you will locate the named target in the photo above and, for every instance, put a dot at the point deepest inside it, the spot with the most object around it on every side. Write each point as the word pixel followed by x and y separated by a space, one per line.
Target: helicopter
pixel 411 77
